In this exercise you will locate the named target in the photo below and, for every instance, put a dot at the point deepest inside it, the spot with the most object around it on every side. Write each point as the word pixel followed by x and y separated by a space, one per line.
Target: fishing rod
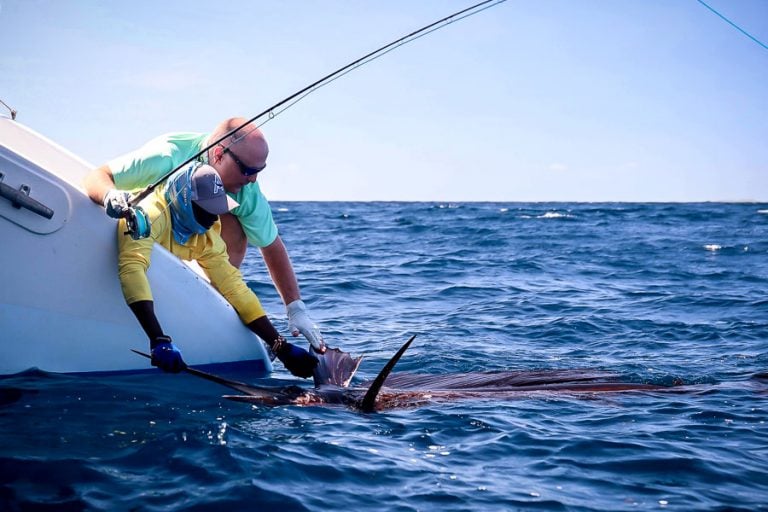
pixel 136 219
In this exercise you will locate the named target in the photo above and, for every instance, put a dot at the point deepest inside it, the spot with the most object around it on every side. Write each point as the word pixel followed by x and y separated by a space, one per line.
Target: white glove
pixel 299 322
pixel 116 203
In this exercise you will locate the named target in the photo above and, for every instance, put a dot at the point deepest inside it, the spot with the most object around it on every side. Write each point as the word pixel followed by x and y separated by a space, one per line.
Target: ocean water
pixel 655 292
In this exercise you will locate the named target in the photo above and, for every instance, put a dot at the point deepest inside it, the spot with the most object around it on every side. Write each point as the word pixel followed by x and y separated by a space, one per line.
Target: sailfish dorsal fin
pixel 369 400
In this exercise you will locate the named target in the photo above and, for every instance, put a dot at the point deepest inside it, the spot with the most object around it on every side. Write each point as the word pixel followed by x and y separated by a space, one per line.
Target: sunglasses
pixel 244 169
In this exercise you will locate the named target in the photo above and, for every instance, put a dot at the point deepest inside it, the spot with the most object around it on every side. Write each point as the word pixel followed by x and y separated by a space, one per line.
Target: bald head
pixel 248 135
pixel 246 145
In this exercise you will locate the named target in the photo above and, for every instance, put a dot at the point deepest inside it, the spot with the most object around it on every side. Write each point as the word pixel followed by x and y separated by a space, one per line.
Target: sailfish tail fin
pixel 369 400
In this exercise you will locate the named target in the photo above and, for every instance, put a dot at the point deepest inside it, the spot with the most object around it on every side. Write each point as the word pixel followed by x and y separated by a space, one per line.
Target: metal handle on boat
pixel 20 199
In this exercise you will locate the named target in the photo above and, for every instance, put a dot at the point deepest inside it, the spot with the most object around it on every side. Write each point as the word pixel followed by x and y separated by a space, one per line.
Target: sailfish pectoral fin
pixel 369 400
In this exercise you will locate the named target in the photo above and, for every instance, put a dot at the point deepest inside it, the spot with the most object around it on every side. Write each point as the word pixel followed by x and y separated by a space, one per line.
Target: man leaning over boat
pixel 237 159
pixel 184 218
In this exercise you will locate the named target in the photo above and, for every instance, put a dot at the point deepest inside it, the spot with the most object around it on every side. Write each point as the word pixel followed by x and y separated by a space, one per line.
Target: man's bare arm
pixel 98 182
pixel 281 270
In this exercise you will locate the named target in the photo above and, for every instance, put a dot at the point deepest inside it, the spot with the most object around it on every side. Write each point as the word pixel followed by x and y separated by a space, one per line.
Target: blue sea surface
pixel 658 293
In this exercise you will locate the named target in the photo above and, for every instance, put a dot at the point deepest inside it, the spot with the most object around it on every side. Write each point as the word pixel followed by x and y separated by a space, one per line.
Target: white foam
pixel 555 215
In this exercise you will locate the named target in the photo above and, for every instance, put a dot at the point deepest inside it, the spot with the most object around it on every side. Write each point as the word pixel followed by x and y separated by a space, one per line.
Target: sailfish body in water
pixel 336 369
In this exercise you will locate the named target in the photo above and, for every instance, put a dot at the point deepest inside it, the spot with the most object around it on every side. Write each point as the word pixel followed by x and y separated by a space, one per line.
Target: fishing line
pixel 294 98
pixel 734 25
pixel 12 111
pixel 363 61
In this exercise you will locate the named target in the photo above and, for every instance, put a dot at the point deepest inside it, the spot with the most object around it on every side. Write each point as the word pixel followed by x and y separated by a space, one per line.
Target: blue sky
pixel 532 100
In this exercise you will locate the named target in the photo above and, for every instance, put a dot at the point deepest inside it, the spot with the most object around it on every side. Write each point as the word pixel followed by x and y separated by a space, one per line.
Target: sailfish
pixel 335 369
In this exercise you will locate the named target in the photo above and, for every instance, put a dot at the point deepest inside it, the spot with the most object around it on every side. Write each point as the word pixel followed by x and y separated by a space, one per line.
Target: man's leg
pixel 233 235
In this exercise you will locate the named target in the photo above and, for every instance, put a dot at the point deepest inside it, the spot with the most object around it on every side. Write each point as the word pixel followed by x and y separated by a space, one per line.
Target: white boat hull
pixel 61 307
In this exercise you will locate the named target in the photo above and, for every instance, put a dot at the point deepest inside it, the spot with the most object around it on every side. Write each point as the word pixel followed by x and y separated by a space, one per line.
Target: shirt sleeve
pixel 227 279
pixel 143 166
pixel 132 264
pixel 133 257
pixel 255 215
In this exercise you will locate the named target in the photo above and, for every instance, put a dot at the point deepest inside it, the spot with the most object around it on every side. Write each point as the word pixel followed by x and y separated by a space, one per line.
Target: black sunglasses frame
pixel 244 169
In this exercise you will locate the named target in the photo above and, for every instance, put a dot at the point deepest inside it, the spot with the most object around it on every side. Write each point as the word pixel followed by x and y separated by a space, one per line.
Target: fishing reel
pixel 137 222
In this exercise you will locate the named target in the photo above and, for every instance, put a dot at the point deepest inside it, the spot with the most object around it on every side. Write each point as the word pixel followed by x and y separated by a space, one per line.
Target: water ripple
pixel 661 293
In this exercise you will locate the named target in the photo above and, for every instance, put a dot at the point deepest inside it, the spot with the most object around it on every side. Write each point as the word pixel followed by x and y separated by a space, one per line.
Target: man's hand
pixel 300 322
pixel 166 356
pixel 116 203
pixel 297 360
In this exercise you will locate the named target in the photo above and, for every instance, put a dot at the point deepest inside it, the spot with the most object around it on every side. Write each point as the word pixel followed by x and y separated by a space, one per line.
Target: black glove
pixel 166 356
pixel 297 360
